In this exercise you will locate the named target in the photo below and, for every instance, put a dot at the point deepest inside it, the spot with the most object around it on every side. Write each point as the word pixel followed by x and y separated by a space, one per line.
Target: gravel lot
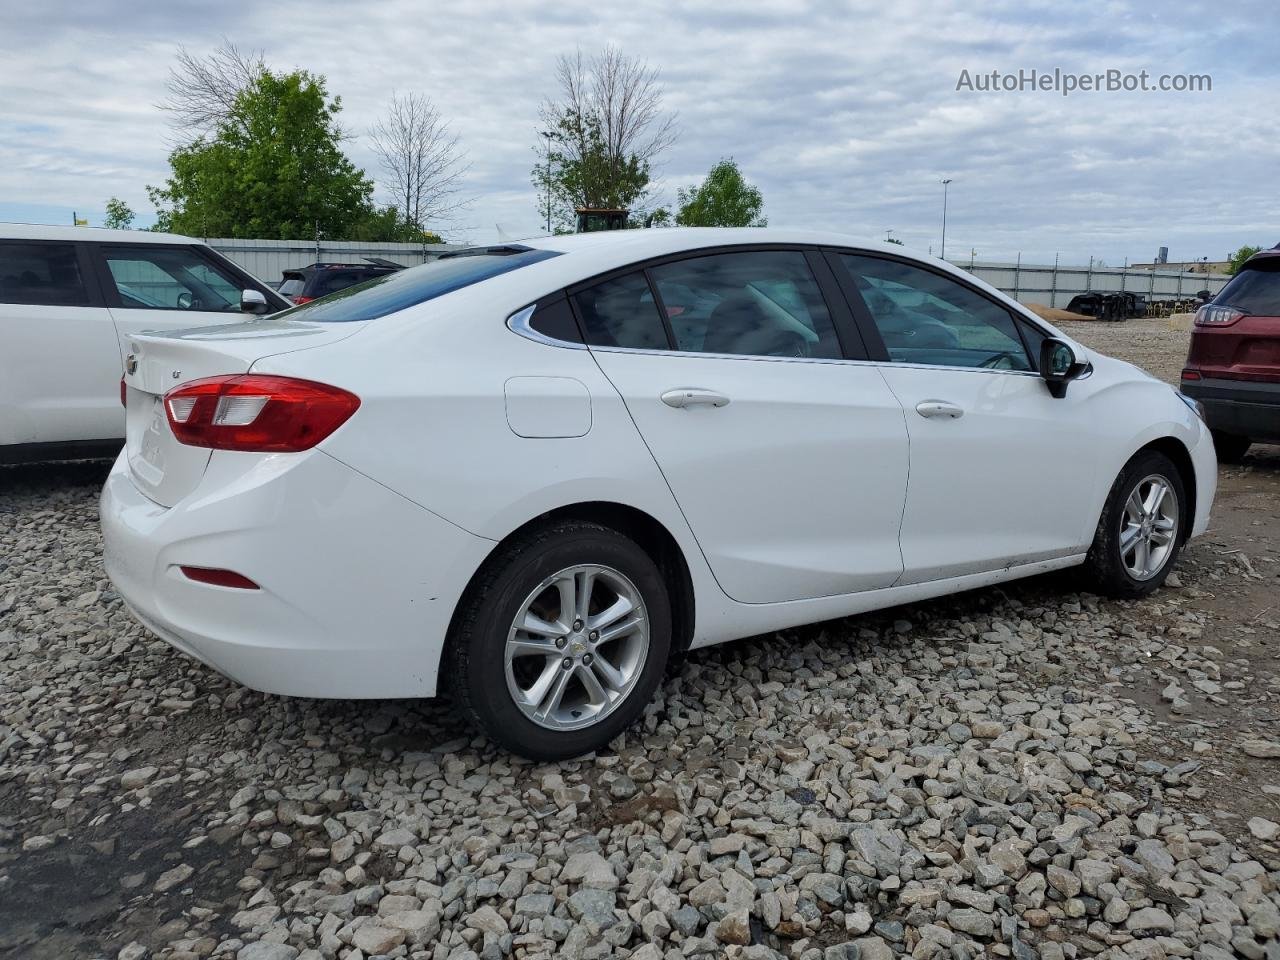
pixel 1022 772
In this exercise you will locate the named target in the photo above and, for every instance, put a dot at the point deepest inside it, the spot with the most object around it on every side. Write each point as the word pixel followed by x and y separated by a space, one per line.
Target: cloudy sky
pixel 846 115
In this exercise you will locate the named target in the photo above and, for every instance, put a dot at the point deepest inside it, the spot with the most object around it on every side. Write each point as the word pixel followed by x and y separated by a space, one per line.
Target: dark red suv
pixel 1233 367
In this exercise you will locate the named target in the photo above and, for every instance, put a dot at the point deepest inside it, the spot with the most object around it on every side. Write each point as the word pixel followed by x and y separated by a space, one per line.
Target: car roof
pixel 45 231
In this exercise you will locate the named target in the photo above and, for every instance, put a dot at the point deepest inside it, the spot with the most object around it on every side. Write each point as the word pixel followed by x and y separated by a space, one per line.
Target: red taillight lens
pixel 219 578
pixel 300 300
pixel 1211 316
pixel 124 393
pixel 257 413
pixel 1190 374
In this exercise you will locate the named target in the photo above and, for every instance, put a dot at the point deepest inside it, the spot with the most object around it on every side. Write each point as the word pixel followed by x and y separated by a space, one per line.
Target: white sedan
pixel 535 472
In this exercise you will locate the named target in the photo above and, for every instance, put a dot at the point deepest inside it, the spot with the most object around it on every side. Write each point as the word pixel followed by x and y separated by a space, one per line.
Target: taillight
pixel 257 413
pixel 1212 316
pixel 299 300
pixel 124 393
pixel 1189 374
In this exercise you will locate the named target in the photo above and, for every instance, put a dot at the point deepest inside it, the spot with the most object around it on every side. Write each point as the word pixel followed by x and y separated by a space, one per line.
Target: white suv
pixel 69 296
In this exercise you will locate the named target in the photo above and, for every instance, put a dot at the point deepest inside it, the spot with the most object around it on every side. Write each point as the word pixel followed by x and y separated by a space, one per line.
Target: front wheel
pixel 562 641
pixel 1139 534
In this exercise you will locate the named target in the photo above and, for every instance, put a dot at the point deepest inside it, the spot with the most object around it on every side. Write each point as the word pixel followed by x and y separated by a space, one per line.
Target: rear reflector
pixel 1190 374
pixel 257 413
pixel 124 393
pixel 300 300
pixel 219 578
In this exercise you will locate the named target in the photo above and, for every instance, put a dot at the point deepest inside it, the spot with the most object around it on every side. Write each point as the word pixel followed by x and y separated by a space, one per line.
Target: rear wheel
pixel 1230 448
pixel 562 641
pixel 1139 534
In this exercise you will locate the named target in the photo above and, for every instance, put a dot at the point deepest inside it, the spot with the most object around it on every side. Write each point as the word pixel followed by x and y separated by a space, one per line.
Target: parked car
pixel 68 295
pixel 321 279
pixel 547 468
pixel 1233 365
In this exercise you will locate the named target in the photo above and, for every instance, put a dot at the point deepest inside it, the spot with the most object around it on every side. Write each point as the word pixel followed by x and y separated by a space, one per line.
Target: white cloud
pixel 846 115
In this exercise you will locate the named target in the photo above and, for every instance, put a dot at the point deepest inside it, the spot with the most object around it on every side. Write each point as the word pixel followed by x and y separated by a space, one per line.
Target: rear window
pixel 1255 289
pixel 406 288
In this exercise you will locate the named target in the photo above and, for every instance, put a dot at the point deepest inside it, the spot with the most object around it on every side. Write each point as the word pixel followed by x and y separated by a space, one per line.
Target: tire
pixel 531 576
pixel 1111 568
pixel 1230 448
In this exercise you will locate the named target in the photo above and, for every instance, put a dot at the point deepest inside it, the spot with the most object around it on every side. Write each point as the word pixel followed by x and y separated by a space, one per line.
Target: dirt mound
pixel 1053 314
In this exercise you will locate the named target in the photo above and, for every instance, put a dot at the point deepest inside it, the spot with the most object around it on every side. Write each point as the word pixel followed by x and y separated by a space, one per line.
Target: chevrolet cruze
pixel 535 472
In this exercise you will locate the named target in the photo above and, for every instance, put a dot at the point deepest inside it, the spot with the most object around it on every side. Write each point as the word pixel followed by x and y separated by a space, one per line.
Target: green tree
pixel 603 136
pixel 272 169
pixel 724 199
pixel 1237 259
pixel 119 216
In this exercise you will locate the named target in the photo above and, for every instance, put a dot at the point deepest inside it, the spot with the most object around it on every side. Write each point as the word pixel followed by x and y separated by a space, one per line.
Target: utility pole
pixel 945 184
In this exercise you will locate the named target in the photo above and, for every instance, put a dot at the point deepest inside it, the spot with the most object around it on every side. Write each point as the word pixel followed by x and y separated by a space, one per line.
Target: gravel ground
pixel 1027 771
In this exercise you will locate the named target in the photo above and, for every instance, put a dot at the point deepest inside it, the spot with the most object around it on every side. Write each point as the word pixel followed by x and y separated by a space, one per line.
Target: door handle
pixel 939 408
pixel 682 397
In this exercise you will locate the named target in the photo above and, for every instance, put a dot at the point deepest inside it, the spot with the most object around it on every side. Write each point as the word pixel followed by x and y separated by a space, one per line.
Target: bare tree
pixel 420 159
pixel 203 90
pixel 610 127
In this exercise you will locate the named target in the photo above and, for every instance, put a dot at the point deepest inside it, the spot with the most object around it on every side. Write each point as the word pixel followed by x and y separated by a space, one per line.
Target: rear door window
pixel 763 303
pixel 1255 289
pixel 41 274
pixel 151 277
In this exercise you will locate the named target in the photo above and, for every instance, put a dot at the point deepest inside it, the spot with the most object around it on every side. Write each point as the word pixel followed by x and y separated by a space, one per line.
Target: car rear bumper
pixel 358 585
pixel 1244 408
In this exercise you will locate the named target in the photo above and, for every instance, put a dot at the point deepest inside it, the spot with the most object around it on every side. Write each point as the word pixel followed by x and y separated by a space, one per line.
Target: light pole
pixel 945 184
pixel 548 134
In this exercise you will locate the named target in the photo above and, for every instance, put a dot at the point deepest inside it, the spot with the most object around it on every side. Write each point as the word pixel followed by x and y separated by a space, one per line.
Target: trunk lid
pixel 163 468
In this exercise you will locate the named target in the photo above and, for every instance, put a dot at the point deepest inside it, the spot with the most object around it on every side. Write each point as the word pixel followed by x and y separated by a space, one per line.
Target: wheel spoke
pixel 531 646
pixel 1129 537
pixel 551 702
pixel 591 683
pixel 586 580
pixel 1155 496
pixel 535 694
pixel 532 623
pixel 608 674
pixel 1133 506
pixel 612 614
pixel 622 629
pixel 1142 555
pixel 568 588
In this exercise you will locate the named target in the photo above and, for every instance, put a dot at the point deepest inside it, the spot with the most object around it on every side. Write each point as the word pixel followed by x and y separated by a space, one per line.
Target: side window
pixel 554 319
pixel 167 278
pixel 924 317
pixel 754 303
pixel 621 313
pixel 1035 338
pixel 41 274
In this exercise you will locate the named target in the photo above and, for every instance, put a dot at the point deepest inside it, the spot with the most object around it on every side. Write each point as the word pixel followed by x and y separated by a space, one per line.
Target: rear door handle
pixel 939 408
pixel 682 397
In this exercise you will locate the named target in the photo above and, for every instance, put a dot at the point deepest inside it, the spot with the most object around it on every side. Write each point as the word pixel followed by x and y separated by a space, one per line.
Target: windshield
pixel 1255 289
pixel 406 288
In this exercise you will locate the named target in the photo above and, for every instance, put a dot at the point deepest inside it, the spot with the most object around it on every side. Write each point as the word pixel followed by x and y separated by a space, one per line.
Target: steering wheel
pixel 999 361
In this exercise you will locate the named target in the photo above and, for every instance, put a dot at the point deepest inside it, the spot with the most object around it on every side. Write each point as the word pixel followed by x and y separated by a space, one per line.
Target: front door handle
pixel 682 397
pixel 939 408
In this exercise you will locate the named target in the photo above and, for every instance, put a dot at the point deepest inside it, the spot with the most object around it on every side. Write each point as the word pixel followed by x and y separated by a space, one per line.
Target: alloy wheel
pixel 576 647
pixel 1149 527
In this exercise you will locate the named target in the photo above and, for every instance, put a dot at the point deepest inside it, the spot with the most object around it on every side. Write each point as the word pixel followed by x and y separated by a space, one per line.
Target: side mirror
pixel 252 301
pixel 1059 365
